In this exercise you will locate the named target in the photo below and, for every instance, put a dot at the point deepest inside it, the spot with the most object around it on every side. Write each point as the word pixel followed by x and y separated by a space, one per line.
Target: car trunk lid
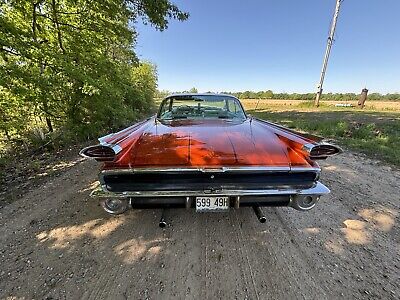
pixel 209 143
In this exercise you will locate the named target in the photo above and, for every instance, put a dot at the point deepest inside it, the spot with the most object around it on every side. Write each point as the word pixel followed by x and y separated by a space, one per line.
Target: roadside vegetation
pixel 370 131
pixel 69 72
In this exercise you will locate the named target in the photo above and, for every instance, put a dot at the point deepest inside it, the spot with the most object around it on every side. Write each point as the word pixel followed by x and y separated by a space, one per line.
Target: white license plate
pixel 204 204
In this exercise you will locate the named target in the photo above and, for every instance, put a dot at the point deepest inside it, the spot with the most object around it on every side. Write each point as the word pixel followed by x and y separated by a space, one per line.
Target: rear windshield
pixel 201 107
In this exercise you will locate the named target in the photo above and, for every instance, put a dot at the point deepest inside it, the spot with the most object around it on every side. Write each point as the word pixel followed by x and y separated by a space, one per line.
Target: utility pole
pixel 328 51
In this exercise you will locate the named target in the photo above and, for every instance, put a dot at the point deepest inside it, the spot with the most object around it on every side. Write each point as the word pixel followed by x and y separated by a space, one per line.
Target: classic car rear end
pixel 202 151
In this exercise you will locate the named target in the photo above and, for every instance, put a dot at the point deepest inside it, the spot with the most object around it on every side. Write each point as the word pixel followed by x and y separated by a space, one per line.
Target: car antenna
pixel 255 109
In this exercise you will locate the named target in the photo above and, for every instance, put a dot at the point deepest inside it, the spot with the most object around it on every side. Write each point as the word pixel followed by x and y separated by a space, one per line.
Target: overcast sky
pixel 233 45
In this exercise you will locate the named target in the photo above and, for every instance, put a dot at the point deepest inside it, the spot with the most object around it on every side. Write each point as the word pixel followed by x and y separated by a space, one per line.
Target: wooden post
pixel 363 98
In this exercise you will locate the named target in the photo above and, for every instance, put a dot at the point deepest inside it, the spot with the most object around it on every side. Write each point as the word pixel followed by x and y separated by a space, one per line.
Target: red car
pixel 203 151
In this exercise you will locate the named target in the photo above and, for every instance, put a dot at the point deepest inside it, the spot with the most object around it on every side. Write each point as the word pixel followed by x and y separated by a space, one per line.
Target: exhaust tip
pixel 163 222
pixel 259 214
pixel 303 202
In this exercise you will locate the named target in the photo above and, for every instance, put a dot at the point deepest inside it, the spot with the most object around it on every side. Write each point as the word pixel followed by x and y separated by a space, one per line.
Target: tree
pixel 71 63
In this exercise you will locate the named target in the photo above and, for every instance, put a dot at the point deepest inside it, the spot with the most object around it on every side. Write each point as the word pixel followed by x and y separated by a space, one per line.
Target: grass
pixel 375 133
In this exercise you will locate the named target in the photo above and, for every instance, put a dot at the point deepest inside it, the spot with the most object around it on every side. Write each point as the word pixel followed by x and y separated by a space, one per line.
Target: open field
pixel 272 103
pixel 375 132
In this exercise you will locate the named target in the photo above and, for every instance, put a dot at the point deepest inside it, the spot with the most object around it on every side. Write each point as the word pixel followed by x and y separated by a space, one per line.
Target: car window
pixel 201 107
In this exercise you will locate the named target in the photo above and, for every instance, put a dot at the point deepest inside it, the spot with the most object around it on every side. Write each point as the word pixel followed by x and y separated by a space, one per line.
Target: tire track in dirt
pixel 245 255
pixel 278 267
pixel 227 272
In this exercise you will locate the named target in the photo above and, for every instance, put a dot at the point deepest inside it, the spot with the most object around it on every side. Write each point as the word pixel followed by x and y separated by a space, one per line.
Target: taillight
pixel 100 152
pixel 321 151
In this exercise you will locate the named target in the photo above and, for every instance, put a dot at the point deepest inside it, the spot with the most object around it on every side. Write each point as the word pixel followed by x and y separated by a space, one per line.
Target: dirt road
pixel 56 243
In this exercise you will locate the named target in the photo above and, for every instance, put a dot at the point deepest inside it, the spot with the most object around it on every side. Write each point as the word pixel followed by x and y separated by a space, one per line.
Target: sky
pixel 233 45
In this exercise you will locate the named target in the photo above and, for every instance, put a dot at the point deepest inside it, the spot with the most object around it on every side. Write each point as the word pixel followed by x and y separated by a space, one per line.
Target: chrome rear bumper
pixel 300 199
pixel 318 190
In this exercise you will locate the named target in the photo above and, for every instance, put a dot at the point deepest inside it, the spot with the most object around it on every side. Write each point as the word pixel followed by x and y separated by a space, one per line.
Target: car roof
pixel 199 94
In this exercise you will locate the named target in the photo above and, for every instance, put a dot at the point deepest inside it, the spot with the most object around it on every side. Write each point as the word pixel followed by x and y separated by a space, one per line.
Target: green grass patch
pixel 376 134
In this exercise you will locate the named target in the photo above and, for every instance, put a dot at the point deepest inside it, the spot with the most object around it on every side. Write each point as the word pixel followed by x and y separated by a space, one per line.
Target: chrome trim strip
pixel 317 190
pixel 200 94
pixel 197 169
pixel 305 169
pixel 101 139
pixel 116 148
pixel 212 170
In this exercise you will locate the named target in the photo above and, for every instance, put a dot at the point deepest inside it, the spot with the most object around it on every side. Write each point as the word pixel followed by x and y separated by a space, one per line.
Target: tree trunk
pixel 57 25
pixel 49 125
pixel 48 120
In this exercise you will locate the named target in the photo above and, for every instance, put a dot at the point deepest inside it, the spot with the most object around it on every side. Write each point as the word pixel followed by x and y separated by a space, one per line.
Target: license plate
pixel 207 204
